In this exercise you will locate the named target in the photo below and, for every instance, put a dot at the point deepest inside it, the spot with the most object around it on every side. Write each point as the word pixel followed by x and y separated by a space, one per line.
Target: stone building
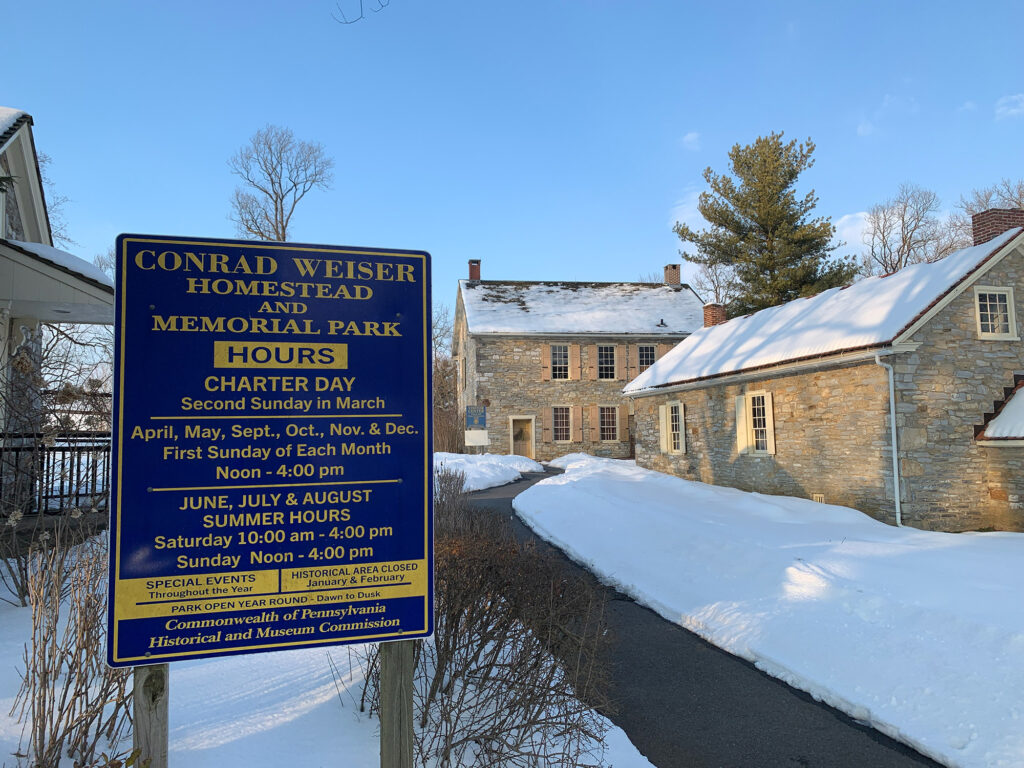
pixel 802 399
pixel 548 360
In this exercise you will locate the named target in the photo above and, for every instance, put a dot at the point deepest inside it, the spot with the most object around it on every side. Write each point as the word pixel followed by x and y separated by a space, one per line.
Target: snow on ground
pixel 921 634
pixel 486 470
pixel 260 710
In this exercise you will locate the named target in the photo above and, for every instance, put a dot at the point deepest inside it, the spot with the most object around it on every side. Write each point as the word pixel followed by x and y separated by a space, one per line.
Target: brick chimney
pixel 714 314
pixel 672 274
pixel 474 269
pixel 993 222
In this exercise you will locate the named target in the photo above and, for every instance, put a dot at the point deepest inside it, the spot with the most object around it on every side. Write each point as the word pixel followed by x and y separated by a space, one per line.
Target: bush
pixel 512 673
pixel 72 702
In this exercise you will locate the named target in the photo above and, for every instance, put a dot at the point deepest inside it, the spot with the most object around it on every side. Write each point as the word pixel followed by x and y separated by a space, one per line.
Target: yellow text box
pixel 169 595
pixel 274 354
pixel 357 577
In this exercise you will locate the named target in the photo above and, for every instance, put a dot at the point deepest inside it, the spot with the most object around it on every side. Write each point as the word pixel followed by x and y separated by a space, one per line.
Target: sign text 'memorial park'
pixel 271 448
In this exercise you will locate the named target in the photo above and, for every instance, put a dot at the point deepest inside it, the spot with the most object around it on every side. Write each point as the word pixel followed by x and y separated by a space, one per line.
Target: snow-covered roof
pixel 1009 421
pixel 66 261
pixel 9 118
pixel 650 309
pixel 869 313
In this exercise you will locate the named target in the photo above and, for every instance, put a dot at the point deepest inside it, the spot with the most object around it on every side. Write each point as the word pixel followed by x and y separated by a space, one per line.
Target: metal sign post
pixel 272 479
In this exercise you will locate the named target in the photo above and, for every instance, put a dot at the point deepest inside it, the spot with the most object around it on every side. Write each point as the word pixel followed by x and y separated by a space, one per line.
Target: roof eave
pixel 838 358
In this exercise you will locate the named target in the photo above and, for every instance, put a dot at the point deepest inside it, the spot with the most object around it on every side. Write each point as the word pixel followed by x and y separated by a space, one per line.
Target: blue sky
pixel 553 140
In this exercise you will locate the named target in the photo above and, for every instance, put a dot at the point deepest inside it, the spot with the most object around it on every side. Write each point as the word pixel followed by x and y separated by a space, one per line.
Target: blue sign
pixel 476 417
pixel 272 480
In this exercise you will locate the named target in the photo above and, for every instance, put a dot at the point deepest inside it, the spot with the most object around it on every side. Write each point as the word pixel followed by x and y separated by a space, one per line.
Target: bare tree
pixel 277 171
pixel 55 203
pixel 1004 194
pixel 447 423
pixel 716 283
pixel 342 17
pixel 906 229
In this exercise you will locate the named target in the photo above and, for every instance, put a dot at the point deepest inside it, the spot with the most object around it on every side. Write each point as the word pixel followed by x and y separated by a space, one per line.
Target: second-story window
pixel 559 361
pixel 606 361
pixel 645 356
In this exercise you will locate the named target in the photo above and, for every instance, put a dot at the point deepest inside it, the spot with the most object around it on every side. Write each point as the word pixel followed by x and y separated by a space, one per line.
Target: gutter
pixel 895 458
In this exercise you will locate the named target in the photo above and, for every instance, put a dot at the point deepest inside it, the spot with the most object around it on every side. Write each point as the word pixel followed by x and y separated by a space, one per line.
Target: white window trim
pixel 745 423
pixel 1011 311
pixel 665 427
pixel 654 350
pixel 597 363
pixel 568 408
pixel 568 361
pixel 615 410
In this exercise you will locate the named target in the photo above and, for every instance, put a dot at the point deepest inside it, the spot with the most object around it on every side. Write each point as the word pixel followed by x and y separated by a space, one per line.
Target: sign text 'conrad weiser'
pixel 271 484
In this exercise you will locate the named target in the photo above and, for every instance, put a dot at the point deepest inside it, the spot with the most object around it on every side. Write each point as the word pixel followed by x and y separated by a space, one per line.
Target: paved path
pixel 686 704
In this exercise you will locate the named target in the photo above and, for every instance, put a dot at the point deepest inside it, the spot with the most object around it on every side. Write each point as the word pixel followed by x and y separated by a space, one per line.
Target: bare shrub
pixel 512 673
pixel 71 702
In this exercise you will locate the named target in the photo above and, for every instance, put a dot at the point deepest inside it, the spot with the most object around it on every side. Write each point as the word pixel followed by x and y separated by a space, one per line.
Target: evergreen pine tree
pixel 762 230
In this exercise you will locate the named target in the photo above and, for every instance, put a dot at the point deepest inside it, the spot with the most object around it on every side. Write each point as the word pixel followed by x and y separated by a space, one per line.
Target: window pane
pixel 606 362
pixel 674 428
pixel 559 361
pixel 994 313
pixel 560 426
pixel 646 356
pixel 609 423
pixel 759 422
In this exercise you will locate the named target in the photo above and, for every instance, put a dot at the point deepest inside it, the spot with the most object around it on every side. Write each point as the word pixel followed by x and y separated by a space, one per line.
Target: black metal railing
pixel 53 473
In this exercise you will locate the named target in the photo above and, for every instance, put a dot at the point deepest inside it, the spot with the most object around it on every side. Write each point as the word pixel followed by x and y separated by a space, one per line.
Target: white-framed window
pixel 672 424
pixel 608 418
pixel 559 361
pixel 645 356
pixel 606 361
pixel 755 423
pixel 560 424
pixel 994 312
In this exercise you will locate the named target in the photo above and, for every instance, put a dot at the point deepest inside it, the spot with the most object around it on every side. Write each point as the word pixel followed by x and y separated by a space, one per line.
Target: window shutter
pixel 741 424
pixel 594 417
pixel 620 361
pixel 547 421
pixel 633 362
pixel 545 362
pixel 663 427
pixel 661 351
pixel 623 423
pixel 592 367
pixel 576 422
pixel 682 428
pixel 575 365
pixel 770 421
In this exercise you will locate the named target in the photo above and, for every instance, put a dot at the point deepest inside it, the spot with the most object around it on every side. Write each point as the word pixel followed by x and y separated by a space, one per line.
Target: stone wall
pixel 954 482
pixel 831 437
pixel 507 375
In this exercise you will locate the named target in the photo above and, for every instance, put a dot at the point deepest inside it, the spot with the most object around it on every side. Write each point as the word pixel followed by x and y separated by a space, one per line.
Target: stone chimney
pixel 474 269
pixel 714 314
pixel 993 222
pixel 672 274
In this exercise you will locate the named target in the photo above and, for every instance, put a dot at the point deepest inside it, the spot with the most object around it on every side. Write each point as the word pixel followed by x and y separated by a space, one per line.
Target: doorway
pixel 522 430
